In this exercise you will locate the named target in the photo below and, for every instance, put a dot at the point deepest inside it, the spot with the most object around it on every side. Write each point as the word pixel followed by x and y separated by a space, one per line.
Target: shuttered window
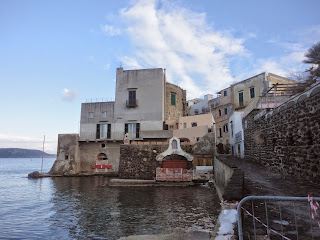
pixel 132 98
pixel 241 98
pixel 252 95
pixel 173 99
pixel 103 131
pixel 133 129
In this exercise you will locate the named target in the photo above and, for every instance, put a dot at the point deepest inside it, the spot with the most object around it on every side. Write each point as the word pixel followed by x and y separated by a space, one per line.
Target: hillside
pixel 22 153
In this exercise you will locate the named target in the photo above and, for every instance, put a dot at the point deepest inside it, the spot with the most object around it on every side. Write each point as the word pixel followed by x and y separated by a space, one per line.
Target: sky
pixel 55 55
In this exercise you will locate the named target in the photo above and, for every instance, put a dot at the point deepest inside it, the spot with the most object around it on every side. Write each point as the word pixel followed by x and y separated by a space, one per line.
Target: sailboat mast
pixel 44 138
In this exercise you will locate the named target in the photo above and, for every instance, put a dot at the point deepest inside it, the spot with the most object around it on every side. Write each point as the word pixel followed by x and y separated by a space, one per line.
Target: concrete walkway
pixel 195 235
pixel 260 180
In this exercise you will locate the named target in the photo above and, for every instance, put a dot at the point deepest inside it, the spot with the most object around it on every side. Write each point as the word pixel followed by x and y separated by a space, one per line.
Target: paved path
pixel 260 180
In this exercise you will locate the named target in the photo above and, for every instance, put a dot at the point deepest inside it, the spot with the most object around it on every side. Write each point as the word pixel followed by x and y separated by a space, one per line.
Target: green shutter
pixel 173 99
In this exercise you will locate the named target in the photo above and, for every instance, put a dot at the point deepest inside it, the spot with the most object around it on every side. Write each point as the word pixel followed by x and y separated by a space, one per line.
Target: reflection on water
pixel 85 208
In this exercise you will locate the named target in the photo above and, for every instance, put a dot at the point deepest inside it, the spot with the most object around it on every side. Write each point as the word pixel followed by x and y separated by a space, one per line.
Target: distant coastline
pixel 23 153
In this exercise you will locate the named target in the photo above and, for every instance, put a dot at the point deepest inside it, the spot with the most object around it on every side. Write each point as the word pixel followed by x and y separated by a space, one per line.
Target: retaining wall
pixel 138 161
pixel 229 180
pixel 287 138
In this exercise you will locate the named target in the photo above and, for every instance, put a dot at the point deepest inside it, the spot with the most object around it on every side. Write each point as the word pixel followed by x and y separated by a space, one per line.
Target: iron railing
pixel 277 218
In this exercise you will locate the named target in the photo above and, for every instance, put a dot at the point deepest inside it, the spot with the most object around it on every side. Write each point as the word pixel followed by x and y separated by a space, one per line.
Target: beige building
pixel 221 109
pixel 242 96
pixel 191 127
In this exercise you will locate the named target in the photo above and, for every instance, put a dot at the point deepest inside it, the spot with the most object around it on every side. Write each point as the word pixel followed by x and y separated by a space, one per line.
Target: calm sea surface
pixel 84 208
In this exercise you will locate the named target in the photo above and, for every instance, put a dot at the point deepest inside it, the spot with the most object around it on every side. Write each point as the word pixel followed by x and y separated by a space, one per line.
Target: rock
pixel 35 174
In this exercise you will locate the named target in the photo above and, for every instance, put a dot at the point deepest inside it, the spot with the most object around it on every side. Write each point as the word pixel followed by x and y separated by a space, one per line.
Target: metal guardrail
pixel 283 207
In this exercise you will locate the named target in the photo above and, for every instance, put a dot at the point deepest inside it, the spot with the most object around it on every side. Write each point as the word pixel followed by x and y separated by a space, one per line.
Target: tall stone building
pixel 143 101
pixel 176 104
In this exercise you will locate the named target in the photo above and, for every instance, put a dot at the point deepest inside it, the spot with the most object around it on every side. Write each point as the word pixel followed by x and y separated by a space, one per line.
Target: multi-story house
pixel 236 101
pixel 143 101
pixel 199 106
pixel 221 108
pixel 191 128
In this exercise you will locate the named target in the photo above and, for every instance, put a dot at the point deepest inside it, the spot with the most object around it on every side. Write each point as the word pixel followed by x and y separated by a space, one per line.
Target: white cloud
pixel 110 30
pixel 91 58
pixel 106 67
pixel 69 95
pixel 130 62
pixel 182 42
pixel 11 141
pixel 283 65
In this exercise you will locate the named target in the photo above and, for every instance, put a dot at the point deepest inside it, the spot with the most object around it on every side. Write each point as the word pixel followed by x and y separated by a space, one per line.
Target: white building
pixel 199 107
pixel 236 134
pixel 138 109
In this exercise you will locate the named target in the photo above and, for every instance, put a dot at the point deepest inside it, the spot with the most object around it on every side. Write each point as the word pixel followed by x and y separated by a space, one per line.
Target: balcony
pixel 91 137
pixel 131 103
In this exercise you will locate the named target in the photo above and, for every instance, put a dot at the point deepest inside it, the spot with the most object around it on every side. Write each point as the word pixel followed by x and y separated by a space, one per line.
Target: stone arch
pixel 102 156
pixel 172 150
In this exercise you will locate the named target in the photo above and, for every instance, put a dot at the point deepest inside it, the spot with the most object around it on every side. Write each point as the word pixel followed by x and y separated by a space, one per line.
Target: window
pixel 252 92
pixel 171 127
pixel 225 128
pixel 184 125
pixel 219 113
pixel 203 110
pixel 225 93
pixel 173 99
pixel 196 111
pixel 220 132
pixel 132 102
pixel 133 129
pixel 231 125
pixel 103 131
pixel 194 124
pixel 226 111
pixel 104 114
pixel 241 99
pixel 91 114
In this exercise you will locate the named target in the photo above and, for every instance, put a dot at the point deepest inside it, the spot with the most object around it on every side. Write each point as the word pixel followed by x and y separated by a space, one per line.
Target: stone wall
pixel 180 108
pixel 89 152
pixel 67 162
pixel 229 180
pixel 139 161
pixel 287 138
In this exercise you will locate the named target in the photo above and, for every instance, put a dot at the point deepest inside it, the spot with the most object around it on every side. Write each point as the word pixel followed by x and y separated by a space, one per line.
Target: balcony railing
pixel 132 104
pixel 91 136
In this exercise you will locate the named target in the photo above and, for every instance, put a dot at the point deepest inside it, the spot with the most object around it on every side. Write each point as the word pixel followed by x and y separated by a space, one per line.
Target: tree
pixel 313 57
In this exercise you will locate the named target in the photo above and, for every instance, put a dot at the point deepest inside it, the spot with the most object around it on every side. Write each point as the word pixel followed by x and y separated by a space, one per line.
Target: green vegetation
pixel 23 153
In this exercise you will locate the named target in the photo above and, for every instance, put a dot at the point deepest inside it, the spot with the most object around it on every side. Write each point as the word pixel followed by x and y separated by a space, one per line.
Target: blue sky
pixel 57 54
